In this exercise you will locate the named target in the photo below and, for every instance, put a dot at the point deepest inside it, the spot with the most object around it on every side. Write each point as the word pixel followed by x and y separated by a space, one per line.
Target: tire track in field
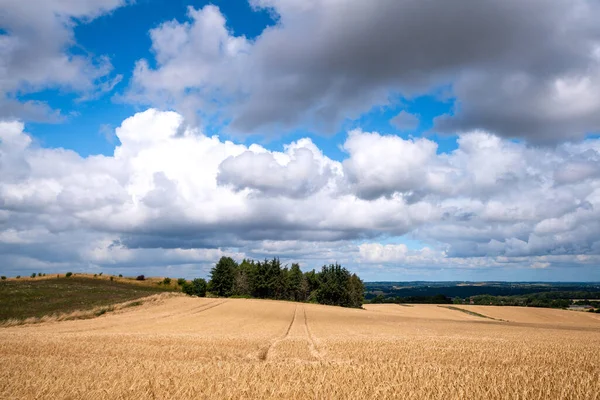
pixel 208 307
pixel 111 320
pixel 178 313
pixel 263 353
pixel 312 347
pixel 167 317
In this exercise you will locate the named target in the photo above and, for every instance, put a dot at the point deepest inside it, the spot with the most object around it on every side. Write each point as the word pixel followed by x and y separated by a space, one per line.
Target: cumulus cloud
pixel 35 39
pixel 326 61
pixel 301 171
pixel 172 197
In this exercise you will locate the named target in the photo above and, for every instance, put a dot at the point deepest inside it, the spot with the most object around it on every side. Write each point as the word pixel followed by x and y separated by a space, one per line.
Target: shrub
pixel 111 278
pixel 40 274
pixel 120 275
pixel 196 288
pixel 18 276
pixel 100 274
pixel 33 275
pixel 140 278
pixel 181 281
pixel 2 277
pixel 68 274
pixel 167 281
pixel 95 275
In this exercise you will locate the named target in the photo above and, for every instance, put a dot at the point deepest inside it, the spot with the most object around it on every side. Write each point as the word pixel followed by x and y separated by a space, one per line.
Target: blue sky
pixel 381 135
pixel 123 36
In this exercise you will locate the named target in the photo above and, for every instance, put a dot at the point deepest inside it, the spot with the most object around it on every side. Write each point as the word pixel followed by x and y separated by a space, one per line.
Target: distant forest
pixel 268 279
pixel 525 294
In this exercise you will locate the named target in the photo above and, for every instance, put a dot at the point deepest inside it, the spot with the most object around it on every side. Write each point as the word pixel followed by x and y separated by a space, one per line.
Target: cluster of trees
pixel 333 285
pixel 534 300
pixel 561 299
pixel 436 299
pixel 197 287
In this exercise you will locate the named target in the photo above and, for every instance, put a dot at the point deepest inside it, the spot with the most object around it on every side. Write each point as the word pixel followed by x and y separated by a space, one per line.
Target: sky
pixel 406 140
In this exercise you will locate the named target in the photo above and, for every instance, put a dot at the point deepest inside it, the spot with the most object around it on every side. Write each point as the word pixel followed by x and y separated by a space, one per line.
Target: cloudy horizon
pixel 406 140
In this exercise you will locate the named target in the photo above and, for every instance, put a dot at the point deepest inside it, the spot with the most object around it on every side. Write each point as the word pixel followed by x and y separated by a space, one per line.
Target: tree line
pixel 436 299
pixel 268 279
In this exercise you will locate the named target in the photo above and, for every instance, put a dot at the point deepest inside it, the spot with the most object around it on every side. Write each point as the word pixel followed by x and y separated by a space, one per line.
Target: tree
pixel 295 280
pixel 312 280
pixel 196 288
pixel 222 276
pixel 242 283
pixel 356 289
pixel 334 286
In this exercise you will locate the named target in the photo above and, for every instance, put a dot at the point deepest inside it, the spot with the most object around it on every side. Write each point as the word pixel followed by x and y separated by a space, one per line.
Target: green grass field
pixel 36 298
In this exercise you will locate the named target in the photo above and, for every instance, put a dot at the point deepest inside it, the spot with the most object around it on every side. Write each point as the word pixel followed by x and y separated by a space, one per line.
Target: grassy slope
pixel 21 299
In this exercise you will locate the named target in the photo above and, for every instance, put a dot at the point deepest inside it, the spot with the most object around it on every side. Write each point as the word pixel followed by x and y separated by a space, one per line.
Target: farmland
pixel 183 347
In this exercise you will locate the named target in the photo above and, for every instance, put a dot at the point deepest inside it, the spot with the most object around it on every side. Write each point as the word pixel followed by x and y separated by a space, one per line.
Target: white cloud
pixel 35 54
pixel 171 196
pixel 301 171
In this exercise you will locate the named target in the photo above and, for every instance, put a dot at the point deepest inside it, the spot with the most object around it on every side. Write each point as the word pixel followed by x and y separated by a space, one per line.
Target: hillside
pixel 184 347
pixel 36 297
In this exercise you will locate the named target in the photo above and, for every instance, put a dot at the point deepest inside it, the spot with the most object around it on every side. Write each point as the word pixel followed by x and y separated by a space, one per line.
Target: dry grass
pixel 233 348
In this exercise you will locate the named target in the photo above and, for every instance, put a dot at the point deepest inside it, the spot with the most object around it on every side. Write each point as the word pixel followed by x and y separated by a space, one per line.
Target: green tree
pixel 196 288
pixel 312 280
pixel 222 276
pixel 296 280
pixel 356 289
pixel 333 289
pixel 243 279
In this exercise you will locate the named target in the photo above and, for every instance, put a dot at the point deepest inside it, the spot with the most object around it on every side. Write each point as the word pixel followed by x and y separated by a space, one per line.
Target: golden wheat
pixel 183 347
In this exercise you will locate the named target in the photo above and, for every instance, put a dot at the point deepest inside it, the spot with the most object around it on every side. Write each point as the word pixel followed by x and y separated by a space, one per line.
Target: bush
pixel 196 288
pixel 33 275
pixel 181 281
pixel 68 274
pixel 2 277
pixel 120 275
pixel 18 276
pixel 95 275
pixel 111 278
pixel 140 278
pixel 100 274
pixel 166 281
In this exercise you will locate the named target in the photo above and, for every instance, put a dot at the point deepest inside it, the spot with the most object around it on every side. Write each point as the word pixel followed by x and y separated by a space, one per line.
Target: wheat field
pixel 181 347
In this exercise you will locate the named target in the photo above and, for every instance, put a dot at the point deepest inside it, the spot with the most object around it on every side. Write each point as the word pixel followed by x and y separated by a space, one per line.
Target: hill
pixel 37 297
